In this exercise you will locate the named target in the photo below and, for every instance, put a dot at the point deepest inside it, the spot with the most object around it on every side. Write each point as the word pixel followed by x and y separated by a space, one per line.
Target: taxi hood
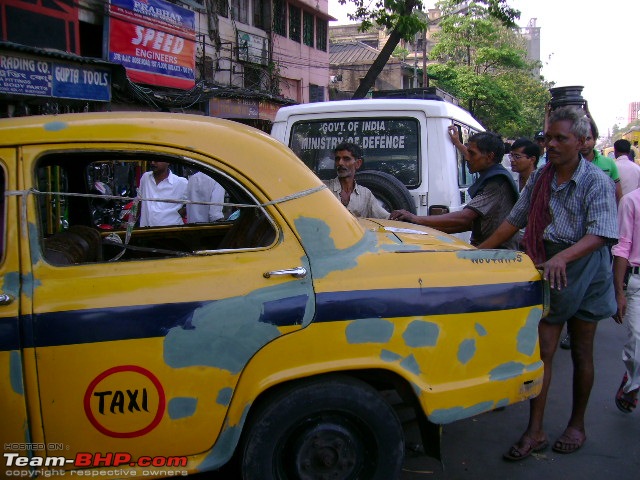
pixel 412 234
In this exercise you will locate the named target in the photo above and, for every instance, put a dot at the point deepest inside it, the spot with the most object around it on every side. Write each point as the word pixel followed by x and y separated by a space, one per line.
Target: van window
pixel 465 179
pixel 390 145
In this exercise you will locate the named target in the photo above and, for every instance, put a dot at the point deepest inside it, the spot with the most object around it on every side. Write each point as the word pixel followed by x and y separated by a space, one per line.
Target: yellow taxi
pixel 272 335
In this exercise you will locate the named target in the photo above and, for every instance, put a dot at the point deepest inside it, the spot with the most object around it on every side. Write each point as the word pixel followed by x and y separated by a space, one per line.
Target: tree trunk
pixel 382 58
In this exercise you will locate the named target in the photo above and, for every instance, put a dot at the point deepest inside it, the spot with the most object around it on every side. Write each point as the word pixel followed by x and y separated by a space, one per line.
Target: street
pixel 472 449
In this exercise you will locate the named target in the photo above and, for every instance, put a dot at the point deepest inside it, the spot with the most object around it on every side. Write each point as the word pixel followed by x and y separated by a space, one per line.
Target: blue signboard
pixel 24 75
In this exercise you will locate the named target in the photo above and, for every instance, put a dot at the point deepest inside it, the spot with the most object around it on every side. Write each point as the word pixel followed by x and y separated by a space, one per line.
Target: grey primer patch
pixel 480 330
pixel 501 403
pixel 389 356
pixel 506 371
pixel 528 335
pixel 534 366
pixel 182 407
pixel 445 239
pixel 402 247
pixel 227 333
pixel 323 255
pixel 421 334
pixel 369 330
pixel 225 445
pixel 55 126
pixel 410 364
pixel 489 256
pixel 11 284
pixel 449 415
pixel 224 396
pixel 393 238
pixel 15 373
pixel 466 351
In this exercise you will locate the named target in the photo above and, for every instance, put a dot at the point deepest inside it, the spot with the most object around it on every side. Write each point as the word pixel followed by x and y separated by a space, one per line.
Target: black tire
pixel 388 189
pixel 332 427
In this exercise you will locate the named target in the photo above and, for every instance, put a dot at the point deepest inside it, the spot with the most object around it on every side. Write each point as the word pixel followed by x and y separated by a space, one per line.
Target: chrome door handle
pixel 297 272
pixel 5 299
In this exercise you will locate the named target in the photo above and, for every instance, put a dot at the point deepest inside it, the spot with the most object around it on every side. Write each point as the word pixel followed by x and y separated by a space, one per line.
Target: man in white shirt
pixel 628 170
pixel 161 183
pixel 203 188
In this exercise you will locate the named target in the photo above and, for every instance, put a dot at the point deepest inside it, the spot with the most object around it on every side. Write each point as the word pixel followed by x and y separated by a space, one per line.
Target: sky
pixel 581 43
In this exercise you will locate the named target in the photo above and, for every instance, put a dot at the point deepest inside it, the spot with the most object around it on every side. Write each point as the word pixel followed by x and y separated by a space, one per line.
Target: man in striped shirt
pixel 569 211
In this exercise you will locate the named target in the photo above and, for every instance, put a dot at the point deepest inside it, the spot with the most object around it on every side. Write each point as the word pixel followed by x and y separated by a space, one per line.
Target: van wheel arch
pixel 393 194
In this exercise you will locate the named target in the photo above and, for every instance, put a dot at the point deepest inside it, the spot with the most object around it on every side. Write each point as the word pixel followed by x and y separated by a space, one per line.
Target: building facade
pixel 238 59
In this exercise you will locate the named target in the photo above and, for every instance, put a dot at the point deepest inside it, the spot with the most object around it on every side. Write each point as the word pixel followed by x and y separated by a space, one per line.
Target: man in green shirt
pixel 606 164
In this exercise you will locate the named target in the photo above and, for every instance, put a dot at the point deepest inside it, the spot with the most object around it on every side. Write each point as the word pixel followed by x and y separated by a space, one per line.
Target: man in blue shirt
pixel 569 210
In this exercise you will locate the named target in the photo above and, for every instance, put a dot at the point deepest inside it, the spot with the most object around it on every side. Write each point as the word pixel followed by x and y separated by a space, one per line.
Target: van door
pixel 141 340
pixel 13 424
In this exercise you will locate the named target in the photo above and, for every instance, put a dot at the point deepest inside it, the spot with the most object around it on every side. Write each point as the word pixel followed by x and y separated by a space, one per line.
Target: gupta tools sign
pixel 154 40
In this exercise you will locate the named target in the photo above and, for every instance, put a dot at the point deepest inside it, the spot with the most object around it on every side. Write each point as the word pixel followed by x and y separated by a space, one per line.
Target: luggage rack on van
pixel 427 93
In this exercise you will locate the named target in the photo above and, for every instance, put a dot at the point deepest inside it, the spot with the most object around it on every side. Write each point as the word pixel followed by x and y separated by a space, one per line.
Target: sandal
pixel 626 402
pixel 571 440
pixel 525 447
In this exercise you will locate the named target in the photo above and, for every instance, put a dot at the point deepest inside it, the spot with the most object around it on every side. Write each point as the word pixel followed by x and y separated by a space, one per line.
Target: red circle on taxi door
pixel 133 403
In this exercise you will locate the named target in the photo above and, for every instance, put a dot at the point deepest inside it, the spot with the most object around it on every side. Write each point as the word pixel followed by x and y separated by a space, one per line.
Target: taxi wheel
pixel 330 428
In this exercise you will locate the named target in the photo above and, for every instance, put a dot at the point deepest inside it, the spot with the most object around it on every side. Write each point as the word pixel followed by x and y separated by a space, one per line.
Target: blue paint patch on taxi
pixel 369 330
pixel 227 333
pixel 421 334
pixel 224 396
pixel 55 126
pixel 403 247
pixel 534 366
pixel 389 356
pixel 506 371
pixel 448 415
pixel 15 373
pixel 446 239
pixel 225 445
pixel 11 284
pixel 410 364
pixel 323 255
pixel 182 407
pixel 466 350
pixel 502 403
pixel 480 330
pixel 527 338
pixel 34 243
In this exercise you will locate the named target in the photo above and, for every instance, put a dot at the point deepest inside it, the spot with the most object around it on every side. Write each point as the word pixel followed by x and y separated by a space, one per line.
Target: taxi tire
pixel 393 194
pixel 333 427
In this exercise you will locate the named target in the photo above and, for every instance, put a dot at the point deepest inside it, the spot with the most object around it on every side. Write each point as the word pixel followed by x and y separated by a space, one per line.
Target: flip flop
pixel 626 402
pixel 571 440
pixel 525 447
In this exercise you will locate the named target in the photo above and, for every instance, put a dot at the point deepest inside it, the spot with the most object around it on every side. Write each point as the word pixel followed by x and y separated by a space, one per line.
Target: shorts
pixel 589 294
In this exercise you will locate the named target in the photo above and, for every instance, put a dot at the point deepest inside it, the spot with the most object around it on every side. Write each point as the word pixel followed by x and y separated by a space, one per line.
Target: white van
pixel 409 160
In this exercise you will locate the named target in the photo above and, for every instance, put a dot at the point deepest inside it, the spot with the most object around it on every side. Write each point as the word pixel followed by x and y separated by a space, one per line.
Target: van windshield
pixel 390 145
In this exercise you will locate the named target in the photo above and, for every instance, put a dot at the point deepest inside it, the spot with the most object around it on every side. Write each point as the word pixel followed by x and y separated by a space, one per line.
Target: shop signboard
pixel 35 76
pixel 154 40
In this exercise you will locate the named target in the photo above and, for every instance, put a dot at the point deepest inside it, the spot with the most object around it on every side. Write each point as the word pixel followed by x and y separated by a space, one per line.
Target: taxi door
pixel 142 355
pixel 13 421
